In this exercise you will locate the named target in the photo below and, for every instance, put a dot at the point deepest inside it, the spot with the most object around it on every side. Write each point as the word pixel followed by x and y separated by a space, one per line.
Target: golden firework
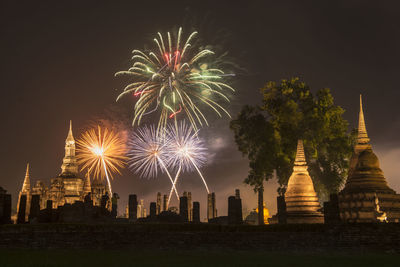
pixel 102 153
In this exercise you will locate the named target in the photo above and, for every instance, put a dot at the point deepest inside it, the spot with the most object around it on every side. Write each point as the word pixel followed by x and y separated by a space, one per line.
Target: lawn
pixel 109 258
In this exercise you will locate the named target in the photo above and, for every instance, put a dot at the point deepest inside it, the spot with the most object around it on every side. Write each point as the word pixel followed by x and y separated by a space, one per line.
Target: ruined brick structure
pixel 366 196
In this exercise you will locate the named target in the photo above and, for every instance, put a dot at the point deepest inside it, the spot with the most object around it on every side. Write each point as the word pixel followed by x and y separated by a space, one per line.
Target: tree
pixel 292 112
pixel 254 137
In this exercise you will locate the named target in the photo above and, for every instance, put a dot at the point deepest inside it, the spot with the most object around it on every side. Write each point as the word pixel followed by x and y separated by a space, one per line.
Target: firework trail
pixel 102 153
pixel 174 79
pixel 148 152
pixel 186 151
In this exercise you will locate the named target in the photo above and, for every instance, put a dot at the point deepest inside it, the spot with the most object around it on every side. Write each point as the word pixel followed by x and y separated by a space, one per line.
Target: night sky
pixel 59 58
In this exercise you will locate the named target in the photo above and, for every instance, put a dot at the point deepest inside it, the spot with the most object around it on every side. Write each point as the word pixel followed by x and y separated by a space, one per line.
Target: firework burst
pixel 175 79
pixel 148 153
pixel 186 151
pixel 102 153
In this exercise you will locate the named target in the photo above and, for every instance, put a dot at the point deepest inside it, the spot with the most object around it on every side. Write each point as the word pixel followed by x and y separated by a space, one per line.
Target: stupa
pixel 366 185
pixel 72 184
pixel 26 190
pixel 302 205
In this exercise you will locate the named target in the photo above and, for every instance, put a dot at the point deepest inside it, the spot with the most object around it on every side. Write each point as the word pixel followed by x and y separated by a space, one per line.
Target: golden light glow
pixel 102 153
pixel 266 214
pixel 98 151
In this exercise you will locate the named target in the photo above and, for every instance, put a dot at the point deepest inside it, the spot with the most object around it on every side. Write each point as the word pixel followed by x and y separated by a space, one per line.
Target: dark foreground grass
pixel 110 258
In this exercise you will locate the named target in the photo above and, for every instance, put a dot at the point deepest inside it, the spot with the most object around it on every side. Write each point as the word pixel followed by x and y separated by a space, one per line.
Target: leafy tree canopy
pixel 268 134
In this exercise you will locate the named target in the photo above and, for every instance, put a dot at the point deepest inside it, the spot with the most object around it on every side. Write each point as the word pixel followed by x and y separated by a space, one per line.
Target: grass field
pixel 110 258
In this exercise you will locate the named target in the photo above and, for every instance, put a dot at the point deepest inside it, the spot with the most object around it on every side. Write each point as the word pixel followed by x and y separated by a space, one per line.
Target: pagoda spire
pixel 70 135
pixel 300 157
pixel 87 188
pixel 26 187
pixel 302 204
pixel 300 163
pixel 362 142
pixel 362 137
pixel 26 190
pixel 69 167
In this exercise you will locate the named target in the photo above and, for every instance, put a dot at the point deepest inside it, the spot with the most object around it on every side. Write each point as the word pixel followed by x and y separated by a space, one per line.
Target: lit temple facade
pixel 67 187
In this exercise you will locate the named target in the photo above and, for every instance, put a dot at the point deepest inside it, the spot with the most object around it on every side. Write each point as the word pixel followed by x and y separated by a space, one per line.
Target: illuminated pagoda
pixel 67 187
pixel 366 196
pixel 302 205
pixel 72 185
pixel 26 190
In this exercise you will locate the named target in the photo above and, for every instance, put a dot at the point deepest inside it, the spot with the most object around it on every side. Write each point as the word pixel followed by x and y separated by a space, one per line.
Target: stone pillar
pixel 235 209
pixel 139 211
pixel 183 208
pixel 1 204
pixel 196 212
pixel 210 214
pixel 186 194
pixel 153 209
pixel 238 205
pixel 190 206
pixel 143 213
pixel 280 200
pixel 334 207
pixel 232 210
pixel 331 209
pixel 5 208
pixel 22 209
pixel 132 206
pixel 326 212
pixel 214 204
pixel 211 206
pixel 49 211
pixel 35 208
pixel 158 206
pixel 237 193
pixel 49 204
pixel 165 203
